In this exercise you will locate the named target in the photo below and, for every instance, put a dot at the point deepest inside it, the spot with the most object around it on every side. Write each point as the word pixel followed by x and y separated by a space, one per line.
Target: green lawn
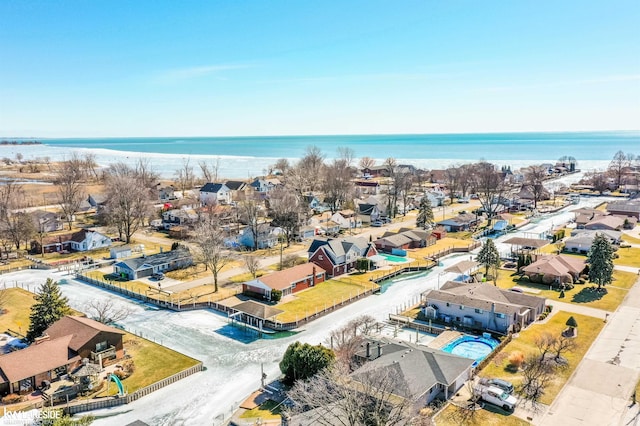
pixel 607 302
pixel 490 416
pixel 323 295
pixel 268 410
pixel 152 363
pixel 588 330
pixel 17 308
pixel 628 257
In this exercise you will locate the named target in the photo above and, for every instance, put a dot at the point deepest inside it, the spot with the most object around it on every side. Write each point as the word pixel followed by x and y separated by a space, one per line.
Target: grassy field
pixel 490 416
pixel 152 363
pixel 203 293
pixel 317 298
pixel 579 294
pixel 18 263
pixel 135 286
pixel 269 410
pixel 629 239
pixel 588 330
pixel 16 310
pixel 628 257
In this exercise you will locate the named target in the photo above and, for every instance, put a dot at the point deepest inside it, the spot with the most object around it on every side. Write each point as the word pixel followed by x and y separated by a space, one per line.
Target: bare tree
pixel 367 163
pixel 69 189
pixel 489 185
pixel 349 339
pixel 563 344
pixel 452 180
pixel 282 165
pixel 210 248
pixel 311 165
pixel 128 197
pixel 403 186
pixel 185 177
pixel 465 412
pixel 334 396
pixel 545 342
pixel 209 171
pixel 619 166
pixel 337 184
pixel 537 374
pixel 249 211
pixel 391 166
pixel 105 311
pixel 534 182
pixel 285 211
pixel 598 180
pixel 252 264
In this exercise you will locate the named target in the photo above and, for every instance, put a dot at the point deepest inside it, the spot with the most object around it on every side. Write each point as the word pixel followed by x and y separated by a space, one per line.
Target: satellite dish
pixel 90 386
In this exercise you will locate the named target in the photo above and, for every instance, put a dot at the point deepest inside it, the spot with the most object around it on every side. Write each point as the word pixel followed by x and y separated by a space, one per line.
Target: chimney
pixel 313 277
pixel 368 350
pixel 43 338
pixel 379 351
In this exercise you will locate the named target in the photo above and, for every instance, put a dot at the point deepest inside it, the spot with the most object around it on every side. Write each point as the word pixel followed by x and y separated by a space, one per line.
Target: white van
pixel 497 396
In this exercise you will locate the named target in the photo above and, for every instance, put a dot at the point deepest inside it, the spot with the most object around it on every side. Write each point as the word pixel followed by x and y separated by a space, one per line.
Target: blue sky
pixel 214 68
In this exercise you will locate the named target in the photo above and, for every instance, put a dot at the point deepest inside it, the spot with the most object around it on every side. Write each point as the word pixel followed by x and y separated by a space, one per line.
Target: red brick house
pixel 338 256
pixel 90 339
pixel 288 281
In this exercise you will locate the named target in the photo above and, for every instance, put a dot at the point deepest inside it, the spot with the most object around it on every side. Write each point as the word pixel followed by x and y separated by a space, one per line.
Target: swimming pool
pixel 393 258
pixel 474 347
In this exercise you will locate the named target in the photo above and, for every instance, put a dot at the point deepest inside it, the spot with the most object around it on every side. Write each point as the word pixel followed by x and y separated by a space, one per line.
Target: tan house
pixel 556 269
pixel 288 281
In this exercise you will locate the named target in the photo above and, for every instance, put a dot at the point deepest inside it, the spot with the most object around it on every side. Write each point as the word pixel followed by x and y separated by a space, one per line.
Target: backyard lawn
pixel 588 330
pixel 490 416
pixel 17 308
pixel 135 286
pixel 629 239
pixel 152 363
pixel 629 256
pixel 321 296
pixel 579 294
pixel 269 410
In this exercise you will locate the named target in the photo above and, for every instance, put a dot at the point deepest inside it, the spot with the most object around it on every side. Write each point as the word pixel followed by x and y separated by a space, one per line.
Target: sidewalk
pixel 599 391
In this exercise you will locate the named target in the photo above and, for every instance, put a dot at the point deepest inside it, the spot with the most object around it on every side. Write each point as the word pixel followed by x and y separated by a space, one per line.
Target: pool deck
pixel 444 339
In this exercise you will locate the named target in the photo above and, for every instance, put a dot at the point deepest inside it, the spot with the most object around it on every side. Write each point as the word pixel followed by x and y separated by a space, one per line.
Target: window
pixel 448 304
pixel 101 346
pixel 294 285
pixel 461 307
pixel 499 315
pixel 320 257
pixel 479 311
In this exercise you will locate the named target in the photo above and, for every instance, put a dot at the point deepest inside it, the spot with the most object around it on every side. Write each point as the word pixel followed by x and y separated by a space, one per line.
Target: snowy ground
pixel 232 359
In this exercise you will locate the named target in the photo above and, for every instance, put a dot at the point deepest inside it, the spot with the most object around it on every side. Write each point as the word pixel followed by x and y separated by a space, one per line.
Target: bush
pixel 129 366
pixel 516 358
pixel 12 398
pixel 548 308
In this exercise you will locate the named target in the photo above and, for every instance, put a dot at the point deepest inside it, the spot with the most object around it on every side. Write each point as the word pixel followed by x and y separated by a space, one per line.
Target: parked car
pixel 463 200
pixel 498 383
pixel 498 397
pixel 158 276
pixel 376 224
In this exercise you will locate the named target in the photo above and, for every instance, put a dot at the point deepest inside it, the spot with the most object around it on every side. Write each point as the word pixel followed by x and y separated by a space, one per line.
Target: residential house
pixel 375 171
pixel 368 212
pixel 339 256
pixel 404 239
pixel 145 266
pixel 46 359
pixel 167 193
pixel 97 201
pixel 436 198
pixel 556 268
pixel 610 223
pixel 89 339
pixel 212 193
pixel 311 201
pixel 47 221
pixel 482 306
pixel 264 185
pixel 461 222
pixel 82 240
pixel 174 217
pixel 288 281
pixel 423 373
pixel 305 233
pixel 625 208
pixel 267 237
pixel 438 176
pixel 324 225
pixel 238 189
pixel 347 219
pixel 370 187
pixel 582 240
pixel 586 215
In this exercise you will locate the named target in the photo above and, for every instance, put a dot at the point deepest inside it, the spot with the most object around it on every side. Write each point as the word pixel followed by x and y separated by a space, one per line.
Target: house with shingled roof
pixel 482 306
pixel 556 268
pixel 146 266
pixel 288 281
pixel 215 193
pixel 405 239
pixel 338 256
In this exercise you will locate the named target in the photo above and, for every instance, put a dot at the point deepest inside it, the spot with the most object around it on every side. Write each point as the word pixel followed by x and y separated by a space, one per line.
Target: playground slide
pixel 118 383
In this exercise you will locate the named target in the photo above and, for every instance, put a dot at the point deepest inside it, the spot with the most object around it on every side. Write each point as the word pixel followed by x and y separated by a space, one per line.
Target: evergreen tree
pixel 489 256
pixel 302 361
pixel 425 213
pixel 50 306
pixel 600 260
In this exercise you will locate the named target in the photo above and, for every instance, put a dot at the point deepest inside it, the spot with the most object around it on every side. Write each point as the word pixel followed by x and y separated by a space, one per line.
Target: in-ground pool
pixel 474 347
pixel 393 258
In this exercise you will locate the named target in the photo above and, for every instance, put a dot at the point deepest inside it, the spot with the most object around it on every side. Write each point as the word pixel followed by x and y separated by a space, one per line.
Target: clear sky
pixel 271 67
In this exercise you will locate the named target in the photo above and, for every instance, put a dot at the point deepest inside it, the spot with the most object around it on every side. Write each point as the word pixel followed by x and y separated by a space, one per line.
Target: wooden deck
pixel 444 339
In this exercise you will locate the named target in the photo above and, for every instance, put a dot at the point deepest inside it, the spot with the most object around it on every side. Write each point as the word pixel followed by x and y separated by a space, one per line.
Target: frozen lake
pixel 233 367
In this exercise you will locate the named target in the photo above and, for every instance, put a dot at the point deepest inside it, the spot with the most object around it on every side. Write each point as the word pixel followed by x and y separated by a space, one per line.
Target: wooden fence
pixel 81 406
pixel 410 323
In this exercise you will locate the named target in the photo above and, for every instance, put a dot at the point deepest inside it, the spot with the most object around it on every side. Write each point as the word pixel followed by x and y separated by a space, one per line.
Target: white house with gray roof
pixel 212 193
pixel 482 306
pixel 582 239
